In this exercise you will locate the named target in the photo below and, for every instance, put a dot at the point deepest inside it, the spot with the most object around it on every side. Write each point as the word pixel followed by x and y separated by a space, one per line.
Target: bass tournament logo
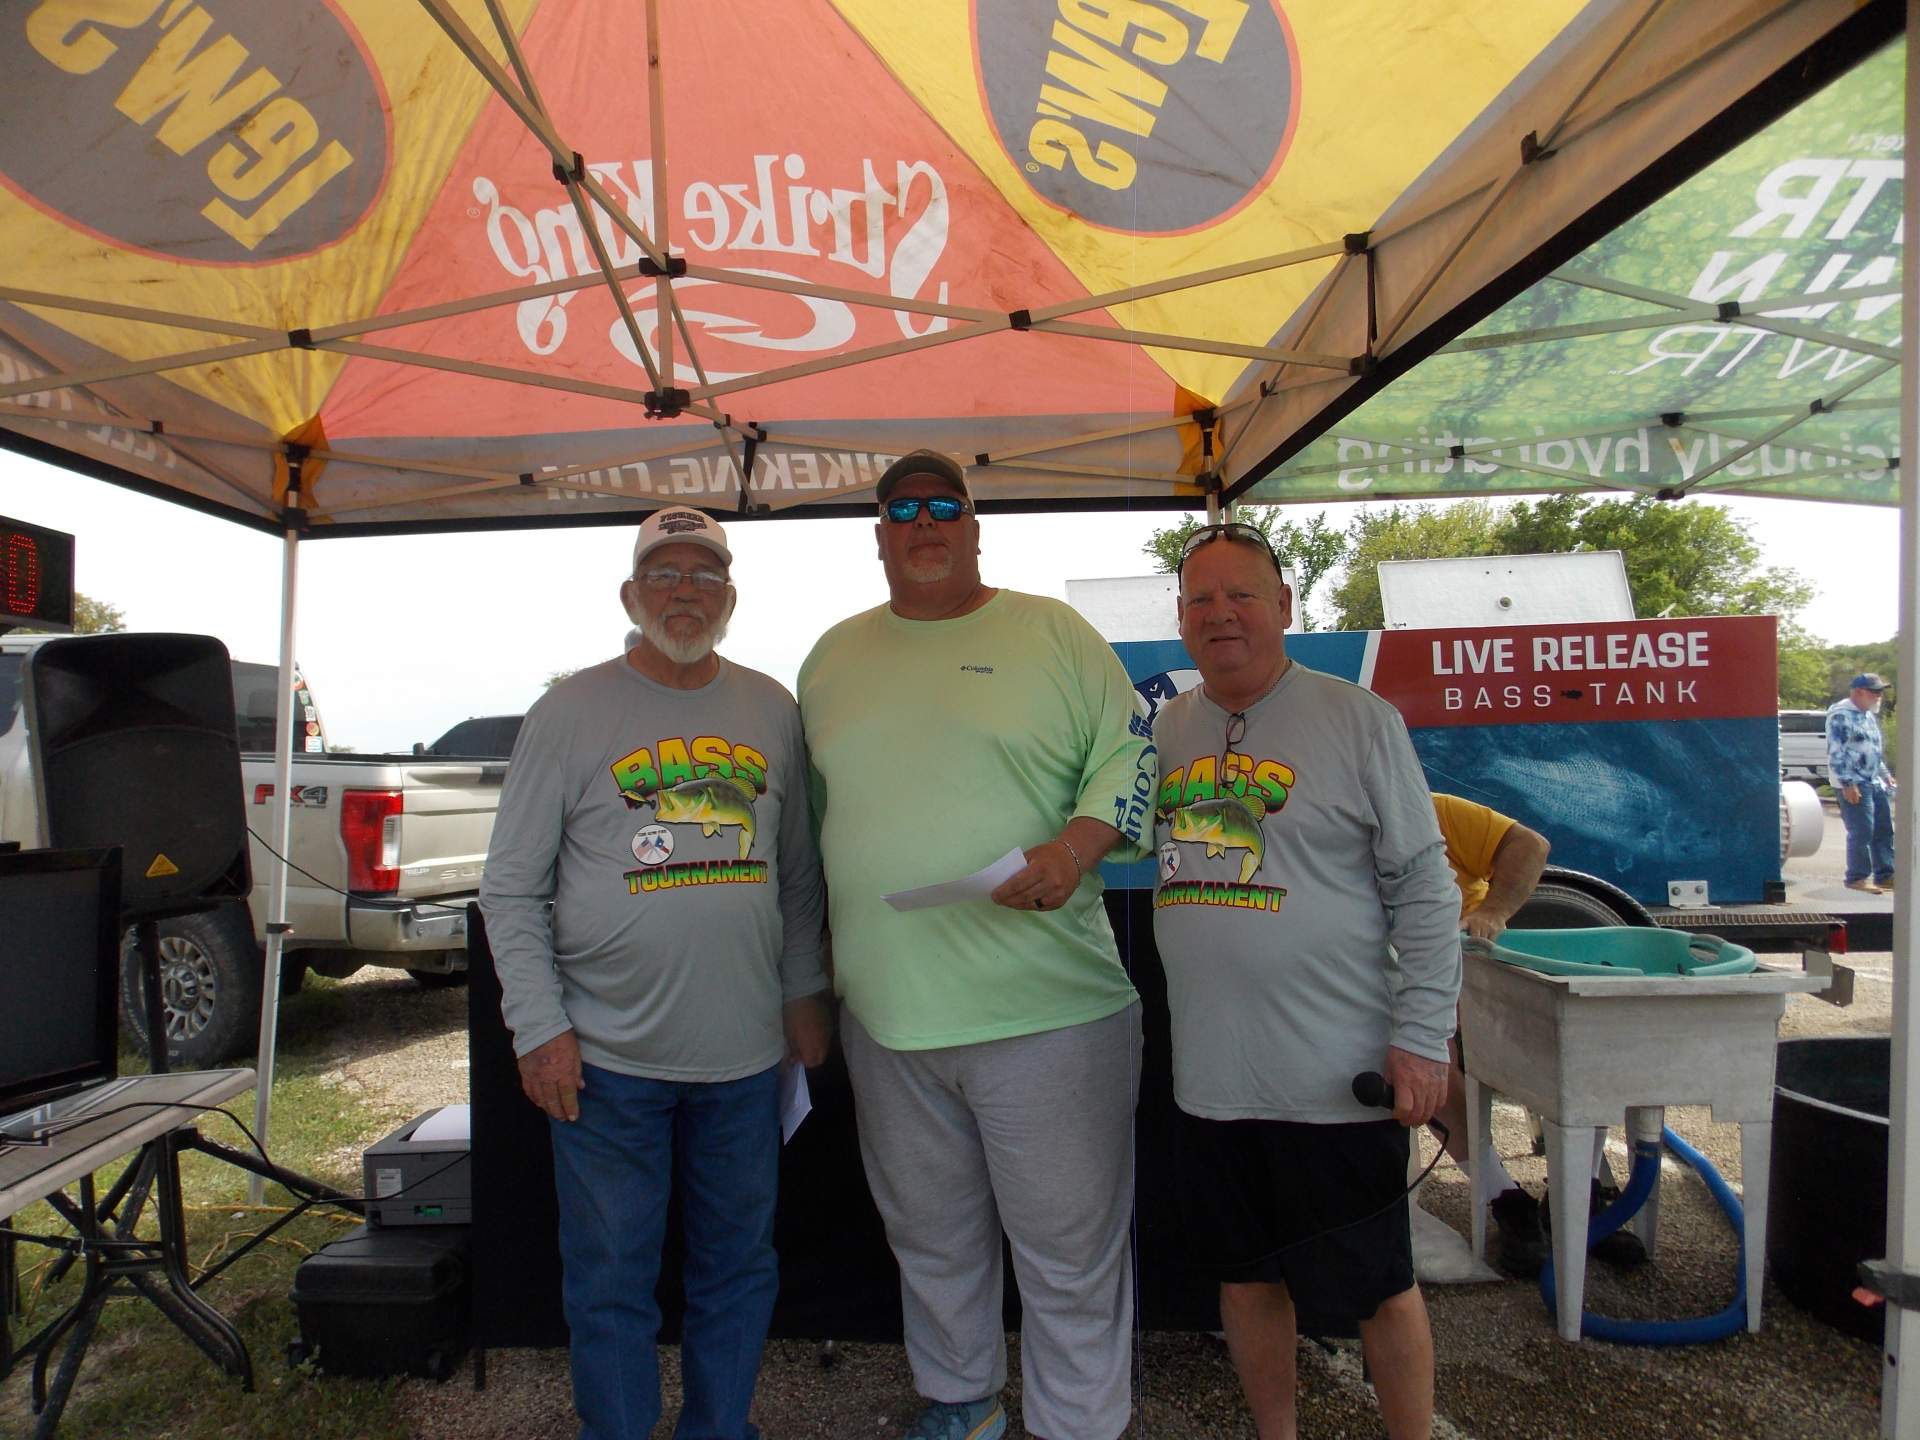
pixel 1152 117
pixel 1221 807
pixel 211 130
pixel 707 784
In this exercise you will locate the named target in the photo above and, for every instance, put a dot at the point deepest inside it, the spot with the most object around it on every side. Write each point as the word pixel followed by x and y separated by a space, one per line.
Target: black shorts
pixel 1252 1190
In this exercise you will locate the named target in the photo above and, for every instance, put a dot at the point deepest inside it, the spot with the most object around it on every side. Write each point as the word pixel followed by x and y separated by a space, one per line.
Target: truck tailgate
pixel 447 824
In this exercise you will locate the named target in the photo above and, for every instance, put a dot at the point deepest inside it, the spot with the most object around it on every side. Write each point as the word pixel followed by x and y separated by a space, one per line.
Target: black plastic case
pixel 380 1302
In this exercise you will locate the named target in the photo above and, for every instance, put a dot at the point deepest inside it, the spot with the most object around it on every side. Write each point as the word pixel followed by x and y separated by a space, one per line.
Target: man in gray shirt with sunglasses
pixel 1308 923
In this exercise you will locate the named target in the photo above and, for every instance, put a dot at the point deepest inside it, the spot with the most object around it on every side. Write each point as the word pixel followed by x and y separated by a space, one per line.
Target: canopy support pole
pixel 282 825
pixel 1900 1384
pixel 657 160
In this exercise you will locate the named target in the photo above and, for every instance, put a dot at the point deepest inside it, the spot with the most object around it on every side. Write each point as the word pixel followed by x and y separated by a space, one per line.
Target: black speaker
pixel 133 745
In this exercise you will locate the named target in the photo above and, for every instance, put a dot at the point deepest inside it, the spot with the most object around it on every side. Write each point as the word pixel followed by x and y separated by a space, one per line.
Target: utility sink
pixel 1634 1021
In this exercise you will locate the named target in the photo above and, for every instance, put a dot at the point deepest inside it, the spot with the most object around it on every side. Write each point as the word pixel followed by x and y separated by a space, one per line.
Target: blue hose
pixel 1646 1174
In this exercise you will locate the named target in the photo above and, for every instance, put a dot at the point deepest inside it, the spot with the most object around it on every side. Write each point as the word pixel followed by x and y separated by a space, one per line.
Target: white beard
pixel 690 650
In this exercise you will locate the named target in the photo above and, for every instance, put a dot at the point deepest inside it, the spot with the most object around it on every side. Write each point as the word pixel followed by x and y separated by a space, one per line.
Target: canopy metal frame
pixel 1598 130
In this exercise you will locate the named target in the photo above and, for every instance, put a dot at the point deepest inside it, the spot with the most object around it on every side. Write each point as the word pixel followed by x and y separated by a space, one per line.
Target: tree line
pixel 1681 559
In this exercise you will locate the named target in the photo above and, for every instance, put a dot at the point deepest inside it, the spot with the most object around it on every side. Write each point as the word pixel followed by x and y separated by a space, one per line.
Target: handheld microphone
pixel 1370 1087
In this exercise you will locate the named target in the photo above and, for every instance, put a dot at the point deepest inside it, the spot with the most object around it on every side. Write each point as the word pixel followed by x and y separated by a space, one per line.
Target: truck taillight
pixel 370 826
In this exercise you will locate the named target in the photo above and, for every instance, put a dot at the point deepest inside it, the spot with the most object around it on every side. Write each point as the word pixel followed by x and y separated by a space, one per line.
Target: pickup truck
pixel 484 735
pixel 387 848
pixel 1803 746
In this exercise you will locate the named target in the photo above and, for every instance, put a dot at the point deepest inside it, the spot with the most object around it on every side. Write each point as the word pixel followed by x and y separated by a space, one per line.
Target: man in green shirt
pixel 994 1047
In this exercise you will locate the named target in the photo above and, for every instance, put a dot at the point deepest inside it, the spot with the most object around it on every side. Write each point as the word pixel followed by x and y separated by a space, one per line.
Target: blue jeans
pixel 613 1169
pixel 1869 834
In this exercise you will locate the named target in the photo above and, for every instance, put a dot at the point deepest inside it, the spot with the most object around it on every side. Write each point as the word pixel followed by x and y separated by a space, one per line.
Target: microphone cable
pixel 1369 1088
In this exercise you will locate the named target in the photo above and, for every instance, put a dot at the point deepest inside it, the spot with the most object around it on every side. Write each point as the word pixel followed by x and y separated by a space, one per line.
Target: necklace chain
pixel 1285 666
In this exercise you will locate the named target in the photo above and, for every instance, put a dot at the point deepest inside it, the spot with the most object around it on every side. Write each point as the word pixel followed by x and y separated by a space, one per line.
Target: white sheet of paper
pixel 976 886
pixel 450 1122
pixel 795 1103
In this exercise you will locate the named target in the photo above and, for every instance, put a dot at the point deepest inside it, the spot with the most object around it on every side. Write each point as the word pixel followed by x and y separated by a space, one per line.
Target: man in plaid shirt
pixel 1856 763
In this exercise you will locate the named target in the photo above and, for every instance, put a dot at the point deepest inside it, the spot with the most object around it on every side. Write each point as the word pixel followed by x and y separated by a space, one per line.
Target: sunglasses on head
pixel 906 509
pixel 1232 530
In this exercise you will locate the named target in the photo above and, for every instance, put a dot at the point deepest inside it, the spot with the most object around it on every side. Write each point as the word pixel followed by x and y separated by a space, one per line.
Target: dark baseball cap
pixel 1867 681
pixel 924 462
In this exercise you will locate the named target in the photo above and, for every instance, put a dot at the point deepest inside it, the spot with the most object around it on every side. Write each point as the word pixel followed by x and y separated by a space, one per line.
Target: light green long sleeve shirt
pixel 937 746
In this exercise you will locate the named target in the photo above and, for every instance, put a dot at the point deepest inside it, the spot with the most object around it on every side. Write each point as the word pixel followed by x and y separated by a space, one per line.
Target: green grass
pixel 142 1377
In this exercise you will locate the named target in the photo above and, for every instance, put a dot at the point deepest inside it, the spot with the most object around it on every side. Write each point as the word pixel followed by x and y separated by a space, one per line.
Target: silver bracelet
pixel 1067 845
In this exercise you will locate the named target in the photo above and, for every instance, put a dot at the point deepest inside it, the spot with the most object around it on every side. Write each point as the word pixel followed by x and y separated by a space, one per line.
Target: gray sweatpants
pixel 1035 1134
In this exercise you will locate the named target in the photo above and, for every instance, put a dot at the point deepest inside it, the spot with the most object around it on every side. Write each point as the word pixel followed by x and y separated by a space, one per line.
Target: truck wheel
pixel 209 985
pixel 1554 906
pixel 438 979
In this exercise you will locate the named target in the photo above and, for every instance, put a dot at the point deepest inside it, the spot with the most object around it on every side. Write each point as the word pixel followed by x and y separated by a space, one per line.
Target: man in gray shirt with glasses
pixel 1308 923
pixel 659 802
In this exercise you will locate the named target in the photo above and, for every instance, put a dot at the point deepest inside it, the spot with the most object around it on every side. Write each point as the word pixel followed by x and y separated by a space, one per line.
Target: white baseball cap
pixel 679 525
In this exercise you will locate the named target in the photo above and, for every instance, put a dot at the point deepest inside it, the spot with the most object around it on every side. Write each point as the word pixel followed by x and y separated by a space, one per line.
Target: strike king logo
pixel 1152 116
pixel 710 783
pixel 210 127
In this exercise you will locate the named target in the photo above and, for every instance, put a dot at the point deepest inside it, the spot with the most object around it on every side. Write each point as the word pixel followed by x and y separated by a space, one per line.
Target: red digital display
pixel 36 576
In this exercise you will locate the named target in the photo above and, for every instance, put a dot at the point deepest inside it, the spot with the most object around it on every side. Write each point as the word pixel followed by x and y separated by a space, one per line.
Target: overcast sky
pixel 401 637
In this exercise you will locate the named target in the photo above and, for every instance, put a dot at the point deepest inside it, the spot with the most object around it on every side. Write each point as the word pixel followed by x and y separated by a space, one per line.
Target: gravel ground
pixel 1502 1372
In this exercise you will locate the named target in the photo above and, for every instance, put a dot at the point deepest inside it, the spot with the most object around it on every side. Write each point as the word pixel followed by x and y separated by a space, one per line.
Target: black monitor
pixel 59 973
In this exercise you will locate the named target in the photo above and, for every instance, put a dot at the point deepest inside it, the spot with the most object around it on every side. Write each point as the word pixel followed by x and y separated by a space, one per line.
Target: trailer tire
pixel 1556 906
pixel 210 978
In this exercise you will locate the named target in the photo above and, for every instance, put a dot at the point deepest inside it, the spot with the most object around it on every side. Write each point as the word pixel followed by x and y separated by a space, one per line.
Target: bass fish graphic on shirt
pixel 1222 809
pixel 711 802
pixel 1231 822
pixel 706 781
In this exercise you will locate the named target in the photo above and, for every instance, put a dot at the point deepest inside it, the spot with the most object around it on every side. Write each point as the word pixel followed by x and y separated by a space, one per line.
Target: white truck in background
pixel 1803 746
pixel 387 851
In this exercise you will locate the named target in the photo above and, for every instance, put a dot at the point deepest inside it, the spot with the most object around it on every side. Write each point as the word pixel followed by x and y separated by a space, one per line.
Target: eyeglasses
pixel 1232 530
pixel 906 509
pixel 1236 732
pixel 666 577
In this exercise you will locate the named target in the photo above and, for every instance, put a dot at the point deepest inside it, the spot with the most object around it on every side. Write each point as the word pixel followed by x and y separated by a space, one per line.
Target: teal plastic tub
pixel 1622 949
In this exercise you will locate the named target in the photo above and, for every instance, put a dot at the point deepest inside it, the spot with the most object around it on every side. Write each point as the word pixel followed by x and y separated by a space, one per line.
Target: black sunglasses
pixel 1232 530
pixel 906 509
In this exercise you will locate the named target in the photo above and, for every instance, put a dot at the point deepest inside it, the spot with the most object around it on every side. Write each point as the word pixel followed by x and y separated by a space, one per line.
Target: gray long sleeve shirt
pixel 1304 911
pixel 669 829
